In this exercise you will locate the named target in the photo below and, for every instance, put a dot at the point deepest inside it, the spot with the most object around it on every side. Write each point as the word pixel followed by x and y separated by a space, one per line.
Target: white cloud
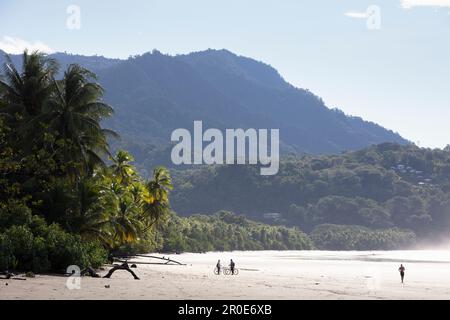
pixel 356 15
pixel 16 46
pixel 408 4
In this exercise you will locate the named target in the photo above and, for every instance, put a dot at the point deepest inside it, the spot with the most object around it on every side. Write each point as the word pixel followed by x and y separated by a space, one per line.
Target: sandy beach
pixel 262 275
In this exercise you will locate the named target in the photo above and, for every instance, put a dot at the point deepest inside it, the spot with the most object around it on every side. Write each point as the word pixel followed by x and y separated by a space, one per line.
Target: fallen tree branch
pixel 153 263
pixel 123 266
pixel 10 276
pixel 163 258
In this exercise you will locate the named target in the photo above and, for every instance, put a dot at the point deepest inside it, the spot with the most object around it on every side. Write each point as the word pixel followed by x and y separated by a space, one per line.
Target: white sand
pixel 263 275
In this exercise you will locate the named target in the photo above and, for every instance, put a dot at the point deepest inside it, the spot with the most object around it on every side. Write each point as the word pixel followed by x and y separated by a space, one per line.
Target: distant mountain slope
pixel 153 94
pixel 94 63
pixel 308 126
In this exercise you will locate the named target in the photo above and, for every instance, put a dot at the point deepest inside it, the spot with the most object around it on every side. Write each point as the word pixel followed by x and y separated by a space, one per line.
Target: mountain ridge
pixel 155 93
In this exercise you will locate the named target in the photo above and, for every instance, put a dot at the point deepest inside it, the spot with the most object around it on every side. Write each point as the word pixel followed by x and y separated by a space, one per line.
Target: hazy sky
pixel 394 70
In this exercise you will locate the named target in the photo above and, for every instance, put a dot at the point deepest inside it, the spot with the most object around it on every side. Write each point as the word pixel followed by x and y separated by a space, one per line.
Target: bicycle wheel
pixel 227 271
pixel 236 272
pixel 216 271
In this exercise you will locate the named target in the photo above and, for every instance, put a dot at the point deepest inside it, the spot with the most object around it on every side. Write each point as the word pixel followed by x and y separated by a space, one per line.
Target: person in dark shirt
pixel 232 266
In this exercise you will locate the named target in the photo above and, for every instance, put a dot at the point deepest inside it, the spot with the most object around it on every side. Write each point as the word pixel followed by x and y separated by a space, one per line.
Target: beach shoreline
pixel 264 275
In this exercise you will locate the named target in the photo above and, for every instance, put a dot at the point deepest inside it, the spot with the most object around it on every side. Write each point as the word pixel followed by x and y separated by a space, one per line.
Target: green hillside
pixel 383 186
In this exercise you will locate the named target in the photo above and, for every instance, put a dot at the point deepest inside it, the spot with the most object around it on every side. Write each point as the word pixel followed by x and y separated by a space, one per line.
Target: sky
pixel 387 61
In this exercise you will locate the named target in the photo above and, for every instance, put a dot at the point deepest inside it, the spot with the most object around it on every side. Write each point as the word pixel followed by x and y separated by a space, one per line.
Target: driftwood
pixel 152 263
pixel 168 261
pixel 123 266
pixel 10 276
pixel 90 272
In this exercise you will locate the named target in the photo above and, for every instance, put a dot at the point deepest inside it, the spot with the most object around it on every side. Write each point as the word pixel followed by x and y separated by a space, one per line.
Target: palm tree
pixel 27 91
pixel 107 210
pixel 156 198
pixel 126 222
pixel 92 220
pixel 24 95
pixel 70 110
pixel 122 168
pixel 74 114
pixel 123 205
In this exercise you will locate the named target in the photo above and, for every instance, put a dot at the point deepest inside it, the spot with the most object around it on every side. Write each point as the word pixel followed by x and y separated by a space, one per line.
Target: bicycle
pixel 227 271
pixel 217 271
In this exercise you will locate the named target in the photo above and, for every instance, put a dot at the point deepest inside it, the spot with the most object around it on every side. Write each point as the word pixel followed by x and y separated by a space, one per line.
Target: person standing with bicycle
pixel 232 266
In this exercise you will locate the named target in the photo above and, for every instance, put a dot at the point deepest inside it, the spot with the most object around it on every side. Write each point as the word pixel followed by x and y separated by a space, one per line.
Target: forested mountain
pixel 384 186
pixel 153 94
pixel 156 93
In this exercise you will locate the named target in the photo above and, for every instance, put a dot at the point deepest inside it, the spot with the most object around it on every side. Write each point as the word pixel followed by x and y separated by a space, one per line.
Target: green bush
pixel 14 213
pixel 21 240
pixel 66 249
pixel 40 262
pixel 39 248
pixel 6 253
pixel 96 254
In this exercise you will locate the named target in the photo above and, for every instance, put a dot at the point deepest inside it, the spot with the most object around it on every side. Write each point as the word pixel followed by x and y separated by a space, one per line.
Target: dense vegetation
pixel 384 186
pixel 339 237
pixel 60 203
pixel 225 231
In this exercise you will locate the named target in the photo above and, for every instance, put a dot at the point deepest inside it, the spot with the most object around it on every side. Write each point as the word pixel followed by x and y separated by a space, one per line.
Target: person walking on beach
pixel 232 266
pixel 402 271
pixel 218 266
